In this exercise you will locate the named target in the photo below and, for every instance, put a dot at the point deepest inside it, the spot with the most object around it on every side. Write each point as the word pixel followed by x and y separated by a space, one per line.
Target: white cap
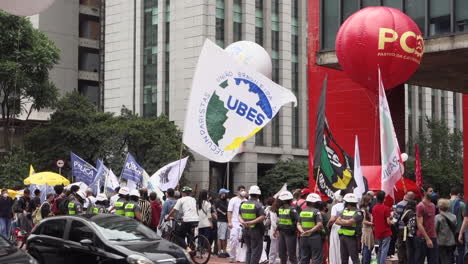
pixel 313 198
pixel 124 191
pixel 337 196
pixel 135 193
pixel 254 189
pixel 101 197
pixel 81 194
pixel 350 198
pixel 285 195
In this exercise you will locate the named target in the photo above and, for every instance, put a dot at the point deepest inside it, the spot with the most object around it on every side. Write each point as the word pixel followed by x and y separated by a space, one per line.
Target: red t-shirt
pixel 380 213
pixel 427 211
pixel 155 213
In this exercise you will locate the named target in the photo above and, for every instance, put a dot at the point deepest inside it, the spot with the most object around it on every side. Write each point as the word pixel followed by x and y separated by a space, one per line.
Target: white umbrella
pixel 83 186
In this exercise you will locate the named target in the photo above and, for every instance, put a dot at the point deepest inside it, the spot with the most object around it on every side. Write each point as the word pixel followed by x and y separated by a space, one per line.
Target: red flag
pixel 417 169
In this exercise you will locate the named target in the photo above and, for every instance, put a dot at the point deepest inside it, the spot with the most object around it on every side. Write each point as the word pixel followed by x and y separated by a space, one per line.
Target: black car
pixel 9 253
pixel 100 238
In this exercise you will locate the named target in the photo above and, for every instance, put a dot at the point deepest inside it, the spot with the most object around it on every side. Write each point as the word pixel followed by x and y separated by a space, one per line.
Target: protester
pixel 323 207
pixel 119 205
pixel 155 210
pixel 310 227
pixel 348 221
pixel 234 224
pixel 132 208
pixel 36 201
pixel 382 226
pixel 221 207
pixel 23 208
pixel 6 204
pixel 187 206
pixel 75 206
pixel 101 204
pixel 205 223
pixel 272 217
pixel 46 207
pixel 445 226
pixel 334 240
pixel 251 216
pixel 145 207
pixel 287 229
pixel 168 204
pixel 426 238
pixel 89 202
pixel 60 197
pixel 409 221
pixel 400 244
pixel 301 203
pixel 367 237
pixel 457 207
pixel 115 197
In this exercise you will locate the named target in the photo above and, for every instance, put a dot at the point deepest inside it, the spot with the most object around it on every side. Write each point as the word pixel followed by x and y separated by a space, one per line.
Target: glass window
pixel 259 22
pixel 220 23
pixel 415 9
pixel 330 23
pixel 349 7
pixel 295 127
pixel 275 129
pixel 123 229
pixel 442 105
pixel 150 38
pixel 439 13
pixel 461 15
pixel 88 60
pixel 259 36
pixel 455 116
pixel 393 3
pixel 53 228
pixel 433 104
pixel 259 138
pixel 79 231
pixel 237 19
pixel 90 90
pixel 420 98
pixel 366 3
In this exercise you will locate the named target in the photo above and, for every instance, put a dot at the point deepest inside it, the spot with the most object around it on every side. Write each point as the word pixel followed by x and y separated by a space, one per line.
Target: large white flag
pixel 112 180
pixel 357 171
pixel 389 149
pixel 228 104
pixel 169 175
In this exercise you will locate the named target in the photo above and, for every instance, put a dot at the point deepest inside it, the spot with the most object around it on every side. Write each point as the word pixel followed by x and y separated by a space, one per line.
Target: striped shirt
pixel 145 212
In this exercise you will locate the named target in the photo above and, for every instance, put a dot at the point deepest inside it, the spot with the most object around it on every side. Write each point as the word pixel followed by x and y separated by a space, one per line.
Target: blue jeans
pixel 422 251
pixel 5 227
pixel 384 245
pixel 366 255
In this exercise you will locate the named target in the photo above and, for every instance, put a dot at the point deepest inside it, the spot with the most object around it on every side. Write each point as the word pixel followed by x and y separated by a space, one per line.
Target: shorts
pixel 223 230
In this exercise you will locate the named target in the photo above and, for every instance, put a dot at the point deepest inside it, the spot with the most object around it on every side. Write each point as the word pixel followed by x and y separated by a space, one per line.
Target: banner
pixel 228 104
pixel 169 175
pixel 330 173
pixel 102 174
pixel 132 170
pixel 389 149
pixel 357 171
pixel 82 171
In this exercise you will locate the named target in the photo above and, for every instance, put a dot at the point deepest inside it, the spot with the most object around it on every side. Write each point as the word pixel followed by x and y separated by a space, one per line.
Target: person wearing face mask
pixel 221 206
pixel 234 223
pixel 6 203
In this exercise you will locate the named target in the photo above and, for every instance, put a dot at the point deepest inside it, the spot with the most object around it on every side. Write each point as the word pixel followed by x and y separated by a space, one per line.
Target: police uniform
pixel 348 236
pixel 119 206
pixel 311 243
pixel 131 208
pixel 252 235
pixel 75 207
pixel 287 240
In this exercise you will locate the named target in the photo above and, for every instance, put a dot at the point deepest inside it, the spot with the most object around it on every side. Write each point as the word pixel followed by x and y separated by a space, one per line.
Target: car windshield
pixel 4 243
pixel 124 229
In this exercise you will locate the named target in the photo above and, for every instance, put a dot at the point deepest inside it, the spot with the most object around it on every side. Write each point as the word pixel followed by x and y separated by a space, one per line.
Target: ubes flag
pixel 228 104
pixel 389 149
pixel 132 170
pixel 169 175
pixel 82 171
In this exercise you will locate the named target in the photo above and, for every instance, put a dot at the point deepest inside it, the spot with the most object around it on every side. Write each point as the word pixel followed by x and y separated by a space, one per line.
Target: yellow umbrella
pixel 12 193
pixel 46 177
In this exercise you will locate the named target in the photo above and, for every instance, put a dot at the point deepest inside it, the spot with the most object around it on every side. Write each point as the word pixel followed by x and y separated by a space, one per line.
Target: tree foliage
pixel 26 57
pixel 441 152
pixel 14 168
pixel 293 172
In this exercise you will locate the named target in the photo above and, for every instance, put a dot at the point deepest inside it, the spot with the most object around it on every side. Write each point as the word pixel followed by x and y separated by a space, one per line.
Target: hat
pixel 124 191
pixel 350 198
pixel 305 191
pixel 81 194
pixel 186 189
pixel 313 198
pixel 101 197
pixel 135 193
pixel 222 190
pixel 254 189
pixel 285 195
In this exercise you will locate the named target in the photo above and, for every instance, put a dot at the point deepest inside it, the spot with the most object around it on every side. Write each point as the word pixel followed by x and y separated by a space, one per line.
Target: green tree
pixel 293 172
pixel 26 57
pixel 14 168
pixel 441 152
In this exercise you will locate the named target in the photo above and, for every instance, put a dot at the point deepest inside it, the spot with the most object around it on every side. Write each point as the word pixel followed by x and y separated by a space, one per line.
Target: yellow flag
pixel 31 170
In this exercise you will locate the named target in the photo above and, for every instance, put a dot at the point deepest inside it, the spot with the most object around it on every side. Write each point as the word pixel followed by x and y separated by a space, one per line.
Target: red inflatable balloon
pixel 379 37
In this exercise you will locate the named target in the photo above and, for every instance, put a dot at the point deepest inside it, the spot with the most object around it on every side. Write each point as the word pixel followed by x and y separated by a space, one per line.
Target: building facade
pixel 152 47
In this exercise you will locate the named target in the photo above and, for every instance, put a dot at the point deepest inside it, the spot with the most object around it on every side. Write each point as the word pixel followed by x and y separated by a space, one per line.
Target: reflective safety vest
pixel 130 210
pixel 248 212
pixel 348 230
pixel 71 208
pixel 284 219
pixel 307 219
pixel 119 208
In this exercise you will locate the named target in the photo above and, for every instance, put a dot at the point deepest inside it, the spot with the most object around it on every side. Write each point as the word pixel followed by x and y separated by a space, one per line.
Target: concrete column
pixel 449 110
pixel 248 20
pixel 437 104
pixel 228 22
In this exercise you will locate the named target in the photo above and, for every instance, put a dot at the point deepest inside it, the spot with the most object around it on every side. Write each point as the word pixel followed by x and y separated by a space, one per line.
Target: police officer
pixel 251 216
pixel 100 207
pixel 310 227
pixel 119 206
pixel 75 206
pixel 286 229
pixel 132 209
pixel 349 220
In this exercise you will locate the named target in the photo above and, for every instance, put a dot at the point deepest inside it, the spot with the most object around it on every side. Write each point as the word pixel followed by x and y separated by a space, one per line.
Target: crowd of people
pixel 295 227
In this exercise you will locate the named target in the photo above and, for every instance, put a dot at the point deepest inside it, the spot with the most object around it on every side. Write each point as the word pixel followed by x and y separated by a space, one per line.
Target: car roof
pixel 87 217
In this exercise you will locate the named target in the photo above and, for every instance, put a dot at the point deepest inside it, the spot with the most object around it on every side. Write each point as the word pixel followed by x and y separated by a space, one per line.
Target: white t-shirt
pixel 205 215
pixel 233 207
pixel 89 198
pixel 337 209
pixel 187 206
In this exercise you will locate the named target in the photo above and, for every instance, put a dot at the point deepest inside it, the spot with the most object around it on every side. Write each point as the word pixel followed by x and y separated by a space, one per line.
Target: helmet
pixel 135 193
pixel 124 191
pixel 305 191
pixel 101 197
pixel 254 189
pixel 285 195
pixel 186 189
pixel 313 198
pixel 222 190
pixel 350 198
pixel 81 194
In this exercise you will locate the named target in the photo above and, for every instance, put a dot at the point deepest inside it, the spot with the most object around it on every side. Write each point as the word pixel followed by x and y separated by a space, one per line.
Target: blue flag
pixel 82 170
pixel 132 170
pixel 99 180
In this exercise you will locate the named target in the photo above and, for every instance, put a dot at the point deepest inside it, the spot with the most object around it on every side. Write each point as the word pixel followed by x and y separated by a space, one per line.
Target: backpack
pixel 63 206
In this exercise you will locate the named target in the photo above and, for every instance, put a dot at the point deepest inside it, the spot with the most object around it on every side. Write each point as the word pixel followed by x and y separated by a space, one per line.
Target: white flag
pixel 169 175
pixel 357 171
pixel 112 180
pixel 389 149
pixel 228 104
pixel 284 188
